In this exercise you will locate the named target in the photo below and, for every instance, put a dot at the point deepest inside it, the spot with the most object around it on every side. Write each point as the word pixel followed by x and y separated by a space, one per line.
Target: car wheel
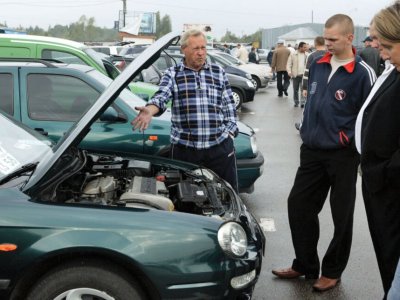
pixel 86 280
pixel 255 81
pixel 237 97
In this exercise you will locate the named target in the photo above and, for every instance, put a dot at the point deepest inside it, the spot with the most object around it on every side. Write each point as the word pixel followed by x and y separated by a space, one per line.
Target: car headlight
pixel 249 84
pixel 233 239
pixel 253 143
pixel 248 76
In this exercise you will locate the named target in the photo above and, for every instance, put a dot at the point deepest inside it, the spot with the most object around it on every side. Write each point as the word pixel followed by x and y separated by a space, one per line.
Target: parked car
pixel 108 50
pixel 89 225
pixel 243 89
pixel 263 54
pixel 261 74
pixel 62 50
pixel 213 58
pixel 52 97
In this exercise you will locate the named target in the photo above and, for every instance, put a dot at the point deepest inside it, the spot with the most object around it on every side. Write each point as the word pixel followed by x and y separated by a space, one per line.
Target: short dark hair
pixel 345 22
pixel 301 44
pixel 319 41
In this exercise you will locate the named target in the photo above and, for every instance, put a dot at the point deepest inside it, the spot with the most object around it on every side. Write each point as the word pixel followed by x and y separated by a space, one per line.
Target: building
pixel 271 35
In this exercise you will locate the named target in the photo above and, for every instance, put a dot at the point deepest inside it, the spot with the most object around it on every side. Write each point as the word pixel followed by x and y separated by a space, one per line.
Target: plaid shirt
pixel 203 110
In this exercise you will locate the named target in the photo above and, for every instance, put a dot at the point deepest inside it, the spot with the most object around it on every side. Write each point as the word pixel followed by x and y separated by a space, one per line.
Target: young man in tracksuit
pixel 338 85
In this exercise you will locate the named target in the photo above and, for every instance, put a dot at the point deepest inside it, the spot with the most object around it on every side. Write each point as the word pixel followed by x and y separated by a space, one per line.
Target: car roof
pixel 42 63
pixel 39 38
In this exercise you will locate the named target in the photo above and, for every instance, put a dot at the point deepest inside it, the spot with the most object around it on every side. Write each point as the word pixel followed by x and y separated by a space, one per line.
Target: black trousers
pixel 221 159
pixel 383 214
pixel 321 171
pixel 282 86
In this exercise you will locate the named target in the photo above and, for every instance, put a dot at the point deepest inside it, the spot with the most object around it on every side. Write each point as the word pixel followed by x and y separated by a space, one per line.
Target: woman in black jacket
pixel 379 146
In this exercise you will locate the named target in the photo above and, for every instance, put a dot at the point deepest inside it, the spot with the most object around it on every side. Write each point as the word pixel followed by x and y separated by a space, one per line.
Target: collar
pixel 348 67
pixel 182 66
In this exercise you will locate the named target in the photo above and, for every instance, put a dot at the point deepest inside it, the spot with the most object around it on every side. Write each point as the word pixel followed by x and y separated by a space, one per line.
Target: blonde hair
pixel 345 22
pixel 187 34
pixel 387 23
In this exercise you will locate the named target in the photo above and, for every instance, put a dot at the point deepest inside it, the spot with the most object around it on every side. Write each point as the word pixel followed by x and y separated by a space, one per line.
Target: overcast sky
pixel 237 16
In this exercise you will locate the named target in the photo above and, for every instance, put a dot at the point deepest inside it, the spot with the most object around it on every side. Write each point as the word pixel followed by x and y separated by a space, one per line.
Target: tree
pixel 163 25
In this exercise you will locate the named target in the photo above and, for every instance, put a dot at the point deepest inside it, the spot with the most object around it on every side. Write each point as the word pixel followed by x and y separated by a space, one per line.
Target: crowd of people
pixel 351 109
pixel 350 120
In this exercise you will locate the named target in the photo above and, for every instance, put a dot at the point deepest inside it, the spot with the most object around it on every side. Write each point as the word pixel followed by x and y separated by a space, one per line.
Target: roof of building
pixel 299 33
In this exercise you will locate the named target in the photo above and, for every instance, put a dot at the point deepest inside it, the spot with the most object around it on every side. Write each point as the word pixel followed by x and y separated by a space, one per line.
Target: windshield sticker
pixel 8 163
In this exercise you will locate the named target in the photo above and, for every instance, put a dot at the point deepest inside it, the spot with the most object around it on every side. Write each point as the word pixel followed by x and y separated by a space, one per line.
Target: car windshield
pixel 127 96
pixel 20 146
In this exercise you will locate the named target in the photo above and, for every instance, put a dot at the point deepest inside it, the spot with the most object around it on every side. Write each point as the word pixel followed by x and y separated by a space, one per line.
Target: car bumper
pixel 264 81
pixel 249 170
pixel 249 94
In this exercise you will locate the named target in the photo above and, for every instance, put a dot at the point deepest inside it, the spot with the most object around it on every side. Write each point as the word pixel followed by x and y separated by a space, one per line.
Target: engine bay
pixel 116 181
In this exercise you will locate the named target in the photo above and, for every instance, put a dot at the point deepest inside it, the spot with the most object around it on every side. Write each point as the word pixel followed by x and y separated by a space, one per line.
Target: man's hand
pixel 305 93
pixel 143 119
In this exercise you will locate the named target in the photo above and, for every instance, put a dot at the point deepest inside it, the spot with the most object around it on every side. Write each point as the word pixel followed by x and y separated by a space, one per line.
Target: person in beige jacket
pixel 296 66
pixel 279 65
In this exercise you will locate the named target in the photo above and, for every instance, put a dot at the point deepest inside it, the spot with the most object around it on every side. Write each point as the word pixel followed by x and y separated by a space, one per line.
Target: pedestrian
pixel 339 83
pixel 371 55
pixel 253 56
pixel 319 51
pixel 278 65
pixel 394 291
pixel 377 139
pixel 269 60
pixel 242 54
pixel 295 67
pixel 203 111
pixel 226 49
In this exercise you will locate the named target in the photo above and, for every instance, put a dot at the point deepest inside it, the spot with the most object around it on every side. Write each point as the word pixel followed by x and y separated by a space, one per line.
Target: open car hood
pixel 80 129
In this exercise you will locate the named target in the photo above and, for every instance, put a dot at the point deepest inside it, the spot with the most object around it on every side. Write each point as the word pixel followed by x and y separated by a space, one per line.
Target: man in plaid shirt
pixel 203 110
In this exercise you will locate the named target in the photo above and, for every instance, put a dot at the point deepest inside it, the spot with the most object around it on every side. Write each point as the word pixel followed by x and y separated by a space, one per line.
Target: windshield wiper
pixel 24 169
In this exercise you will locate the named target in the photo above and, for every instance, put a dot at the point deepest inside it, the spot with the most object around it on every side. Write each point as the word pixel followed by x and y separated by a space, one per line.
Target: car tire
pixel 102 281
pixel 256 81
pixel 237 97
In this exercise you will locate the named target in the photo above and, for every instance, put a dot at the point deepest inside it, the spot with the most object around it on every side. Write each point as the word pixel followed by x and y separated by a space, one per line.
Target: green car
pixel 83 224
pixel 105 136
pixel 67 51
pixel 51 97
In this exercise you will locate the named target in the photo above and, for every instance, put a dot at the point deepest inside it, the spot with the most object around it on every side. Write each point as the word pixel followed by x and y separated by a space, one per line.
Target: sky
pixel 239 17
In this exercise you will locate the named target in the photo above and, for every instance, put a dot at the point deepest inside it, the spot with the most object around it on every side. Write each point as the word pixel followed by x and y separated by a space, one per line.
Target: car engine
pixel 110 180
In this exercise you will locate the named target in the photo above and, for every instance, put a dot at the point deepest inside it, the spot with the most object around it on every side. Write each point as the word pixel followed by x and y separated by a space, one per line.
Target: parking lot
pixel 279 141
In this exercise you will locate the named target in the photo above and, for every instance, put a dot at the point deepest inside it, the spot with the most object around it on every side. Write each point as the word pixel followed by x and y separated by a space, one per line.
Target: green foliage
pixel 229 37
pixel 163 25
pixel 84 30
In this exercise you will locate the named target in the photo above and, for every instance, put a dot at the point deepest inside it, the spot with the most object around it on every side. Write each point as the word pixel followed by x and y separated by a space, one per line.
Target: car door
pixel 52 102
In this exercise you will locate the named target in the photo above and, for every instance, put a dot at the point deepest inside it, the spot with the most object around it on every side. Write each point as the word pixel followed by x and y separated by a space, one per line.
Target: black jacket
pixel 380 137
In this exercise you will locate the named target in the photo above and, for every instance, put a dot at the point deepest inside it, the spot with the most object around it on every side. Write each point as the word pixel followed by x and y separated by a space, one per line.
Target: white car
pixel 261 74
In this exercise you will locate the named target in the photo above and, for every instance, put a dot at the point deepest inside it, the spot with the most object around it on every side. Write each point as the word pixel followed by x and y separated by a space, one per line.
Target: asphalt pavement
pixel 273 118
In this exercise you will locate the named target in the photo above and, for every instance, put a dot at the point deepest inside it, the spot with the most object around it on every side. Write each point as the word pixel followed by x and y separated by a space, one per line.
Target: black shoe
pixel 285 92
pixel 302 106
pixel 297 125
pixel 296 105
pixel 280 95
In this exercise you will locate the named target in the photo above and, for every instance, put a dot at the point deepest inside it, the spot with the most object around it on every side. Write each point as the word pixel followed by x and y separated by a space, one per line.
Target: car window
pixel 161 63
pixel 150 75
pixel 6 93
pixel 58 97
pixel 61 56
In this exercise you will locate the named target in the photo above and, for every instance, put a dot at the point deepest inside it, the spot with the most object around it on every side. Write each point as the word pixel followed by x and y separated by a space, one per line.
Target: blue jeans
pixel 394 292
